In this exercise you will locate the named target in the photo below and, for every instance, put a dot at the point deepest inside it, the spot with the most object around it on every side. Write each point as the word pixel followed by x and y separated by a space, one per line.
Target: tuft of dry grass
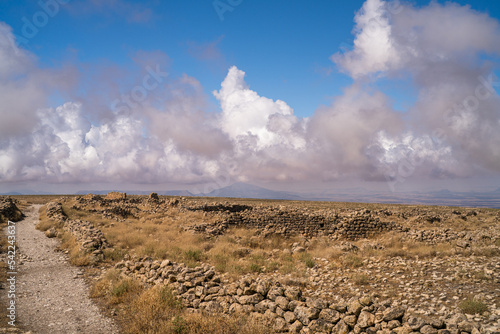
pixel 77 256
pixel 308 260
pixel 473 306
pixel 115 288
pixel 360 279
pixel 45 223
pixel 352 261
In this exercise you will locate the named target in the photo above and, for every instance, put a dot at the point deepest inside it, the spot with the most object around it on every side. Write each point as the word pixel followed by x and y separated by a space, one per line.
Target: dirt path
pixel 51 296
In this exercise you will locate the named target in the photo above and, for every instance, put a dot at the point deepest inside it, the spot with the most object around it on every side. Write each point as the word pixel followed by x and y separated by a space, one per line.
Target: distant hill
pixel 136 192
pixel 12 193
pixel 26 192
pixel 245 190
pixel 176 193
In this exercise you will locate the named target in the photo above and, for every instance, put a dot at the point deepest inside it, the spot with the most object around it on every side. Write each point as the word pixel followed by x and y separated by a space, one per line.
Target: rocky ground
pixel 447 256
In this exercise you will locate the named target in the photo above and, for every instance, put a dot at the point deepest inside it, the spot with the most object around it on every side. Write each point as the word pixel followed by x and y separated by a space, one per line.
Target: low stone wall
pixel 273 220
pixel 462 239
pixel 283 307
pixel 91 238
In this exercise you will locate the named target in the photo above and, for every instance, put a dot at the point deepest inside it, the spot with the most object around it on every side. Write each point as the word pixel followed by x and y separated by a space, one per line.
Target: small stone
pixel 275 292
pixel 235 308
pixel 365 301
pixel 293 293
pixel 298 249
pixel 330 315
pixel 393 324
pixel 316 303
pixel 366 319
pixel 394 313
pixel 295 327
pixel 416 323
pixel 282 302
pixel 280 325
pixel 306 314
pixel 465 326
pixel 428 329
pixel 341 328
pixel 252 299
pixel 350 320
pixel 289 317
pixel 436 323
pixel 354 306
pixel 51 233
pixel 317 326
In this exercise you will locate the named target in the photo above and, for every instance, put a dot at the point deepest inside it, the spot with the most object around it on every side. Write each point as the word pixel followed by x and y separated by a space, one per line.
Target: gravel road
pixel 51 295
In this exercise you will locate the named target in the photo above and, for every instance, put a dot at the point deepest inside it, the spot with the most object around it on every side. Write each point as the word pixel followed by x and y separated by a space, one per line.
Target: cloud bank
pixel 166 133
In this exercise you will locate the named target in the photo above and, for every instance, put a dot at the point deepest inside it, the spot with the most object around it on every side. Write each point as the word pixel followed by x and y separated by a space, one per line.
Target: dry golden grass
pixel 77 256
pixel 360 279
pixel 156 311
pixel 115 289
pixel 163 236
pixel 473 306
pixel 45 223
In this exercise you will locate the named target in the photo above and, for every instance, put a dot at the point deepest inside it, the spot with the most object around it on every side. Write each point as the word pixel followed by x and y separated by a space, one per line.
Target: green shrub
pixel 352 261
pixel 120 288
pixel 308 260
pixel 178 325
pixel 193 255
pixel 254 267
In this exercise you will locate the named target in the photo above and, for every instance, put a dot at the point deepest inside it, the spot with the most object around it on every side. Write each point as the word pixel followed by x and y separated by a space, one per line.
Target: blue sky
pixel 283 46
pixel 280 50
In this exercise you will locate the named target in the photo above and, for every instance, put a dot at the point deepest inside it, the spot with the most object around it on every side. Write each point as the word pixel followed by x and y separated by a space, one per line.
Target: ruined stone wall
pixel 90 238
pixel 273 220
pixel 282 307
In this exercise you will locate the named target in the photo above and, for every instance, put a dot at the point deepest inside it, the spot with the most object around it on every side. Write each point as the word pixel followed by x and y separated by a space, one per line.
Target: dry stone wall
pixel 275 220
pixel 90 238
pixel 283 307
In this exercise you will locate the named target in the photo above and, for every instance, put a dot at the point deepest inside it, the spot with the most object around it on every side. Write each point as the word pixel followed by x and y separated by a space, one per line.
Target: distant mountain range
pixel 245 190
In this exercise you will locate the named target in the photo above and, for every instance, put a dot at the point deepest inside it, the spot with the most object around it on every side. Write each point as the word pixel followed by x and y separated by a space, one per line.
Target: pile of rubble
pixel 9 210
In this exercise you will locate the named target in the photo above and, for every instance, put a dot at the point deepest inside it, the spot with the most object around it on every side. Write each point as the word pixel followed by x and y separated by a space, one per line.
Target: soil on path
pixel 52 297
